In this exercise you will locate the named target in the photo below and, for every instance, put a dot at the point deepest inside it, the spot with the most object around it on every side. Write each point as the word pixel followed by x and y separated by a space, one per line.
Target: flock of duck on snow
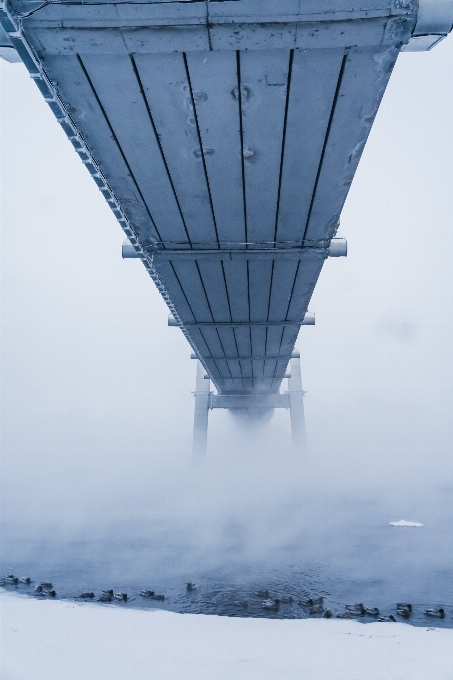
pixel 314 605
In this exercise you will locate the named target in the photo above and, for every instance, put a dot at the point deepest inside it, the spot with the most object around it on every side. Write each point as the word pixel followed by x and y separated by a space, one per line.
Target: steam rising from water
pixel 96 403
pixel 250 508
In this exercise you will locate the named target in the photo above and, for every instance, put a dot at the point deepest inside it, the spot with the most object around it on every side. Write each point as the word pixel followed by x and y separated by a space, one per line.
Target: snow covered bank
pixel 56 640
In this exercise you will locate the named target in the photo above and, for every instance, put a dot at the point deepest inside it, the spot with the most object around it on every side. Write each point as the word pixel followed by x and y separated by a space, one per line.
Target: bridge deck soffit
pixel 225 137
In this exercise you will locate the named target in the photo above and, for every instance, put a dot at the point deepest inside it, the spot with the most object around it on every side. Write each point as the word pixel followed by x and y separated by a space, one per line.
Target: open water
pixel 346 553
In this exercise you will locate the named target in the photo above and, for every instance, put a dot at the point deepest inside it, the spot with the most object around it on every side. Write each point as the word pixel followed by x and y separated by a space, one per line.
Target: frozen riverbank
pixel 56 640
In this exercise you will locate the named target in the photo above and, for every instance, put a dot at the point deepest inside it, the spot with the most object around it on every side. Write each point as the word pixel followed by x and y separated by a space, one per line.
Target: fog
pixel 96 400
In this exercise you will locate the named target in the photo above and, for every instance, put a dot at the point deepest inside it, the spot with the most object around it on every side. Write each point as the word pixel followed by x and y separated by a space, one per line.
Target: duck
pixel 328 614
pixel 403 605
pixel 372 612
pixel 147 593
pixel 343 615
pixel 11 580
pixel 105 597
pixel 48 593
pixel 121 596
pixel 107 592
pixel 355 609
pixel 286 600
pixel 305 603
pixel 273 605
pixel 25 579
pixel 435 612
pixel 262 593
pixel 405 612
pixel 318 609
pixel 384 619
pixel 87 596
pixel 192 586
pixel 311 601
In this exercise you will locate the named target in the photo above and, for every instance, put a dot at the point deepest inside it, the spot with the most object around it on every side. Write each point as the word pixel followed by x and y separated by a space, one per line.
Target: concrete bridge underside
pixel 225 136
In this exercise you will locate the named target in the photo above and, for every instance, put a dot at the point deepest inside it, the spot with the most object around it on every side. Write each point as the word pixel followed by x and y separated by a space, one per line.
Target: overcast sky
pixel 96 389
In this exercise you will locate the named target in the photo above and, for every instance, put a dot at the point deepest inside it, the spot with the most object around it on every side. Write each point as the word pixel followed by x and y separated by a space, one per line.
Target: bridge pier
pixel 296 404
pixel 205 400
pixel 200 419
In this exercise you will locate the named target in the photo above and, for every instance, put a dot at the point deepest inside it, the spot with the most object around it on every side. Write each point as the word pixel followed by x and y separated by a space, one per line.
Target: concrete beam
pixel 249 401
pixel 278 357
pixel 335 247
pixel 308 320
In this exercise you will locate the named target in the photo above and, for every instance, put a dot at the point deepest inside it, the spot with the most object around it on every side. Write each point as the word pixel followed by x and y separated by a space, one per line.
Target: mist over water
pixel 97 486
pixel 249 520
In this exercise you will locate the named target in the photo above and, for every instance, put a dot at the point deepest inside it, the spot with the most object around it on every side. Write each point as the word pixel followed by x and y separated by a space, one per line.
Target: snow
pixel 62 640
pixel 403 523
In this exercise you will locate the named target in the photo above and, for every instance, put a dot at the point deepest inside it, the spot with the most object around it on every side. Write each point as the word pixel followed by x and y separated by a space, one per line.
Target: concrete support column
pixel 200 419
pixel 296 401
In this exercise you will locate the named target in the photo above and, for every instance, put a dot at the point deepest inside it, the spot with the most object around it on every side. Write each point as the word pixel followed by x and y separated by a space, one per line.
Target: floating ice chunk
pixel 403 523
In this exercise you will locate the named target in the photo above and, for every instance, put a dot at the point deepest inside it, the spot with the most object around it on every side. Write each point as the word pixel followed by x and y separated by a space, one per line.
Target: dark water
pixel 345 556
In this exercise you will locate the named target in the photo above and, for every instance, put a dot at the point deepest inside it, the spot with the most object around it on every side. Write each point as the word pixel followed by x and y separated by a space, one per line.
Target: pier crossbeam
pixel 249 401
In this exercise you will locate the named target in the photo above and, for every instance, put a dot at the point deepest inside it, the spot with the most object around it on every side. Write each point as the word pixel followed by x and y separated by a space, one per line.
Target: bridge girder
pixel 225 137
